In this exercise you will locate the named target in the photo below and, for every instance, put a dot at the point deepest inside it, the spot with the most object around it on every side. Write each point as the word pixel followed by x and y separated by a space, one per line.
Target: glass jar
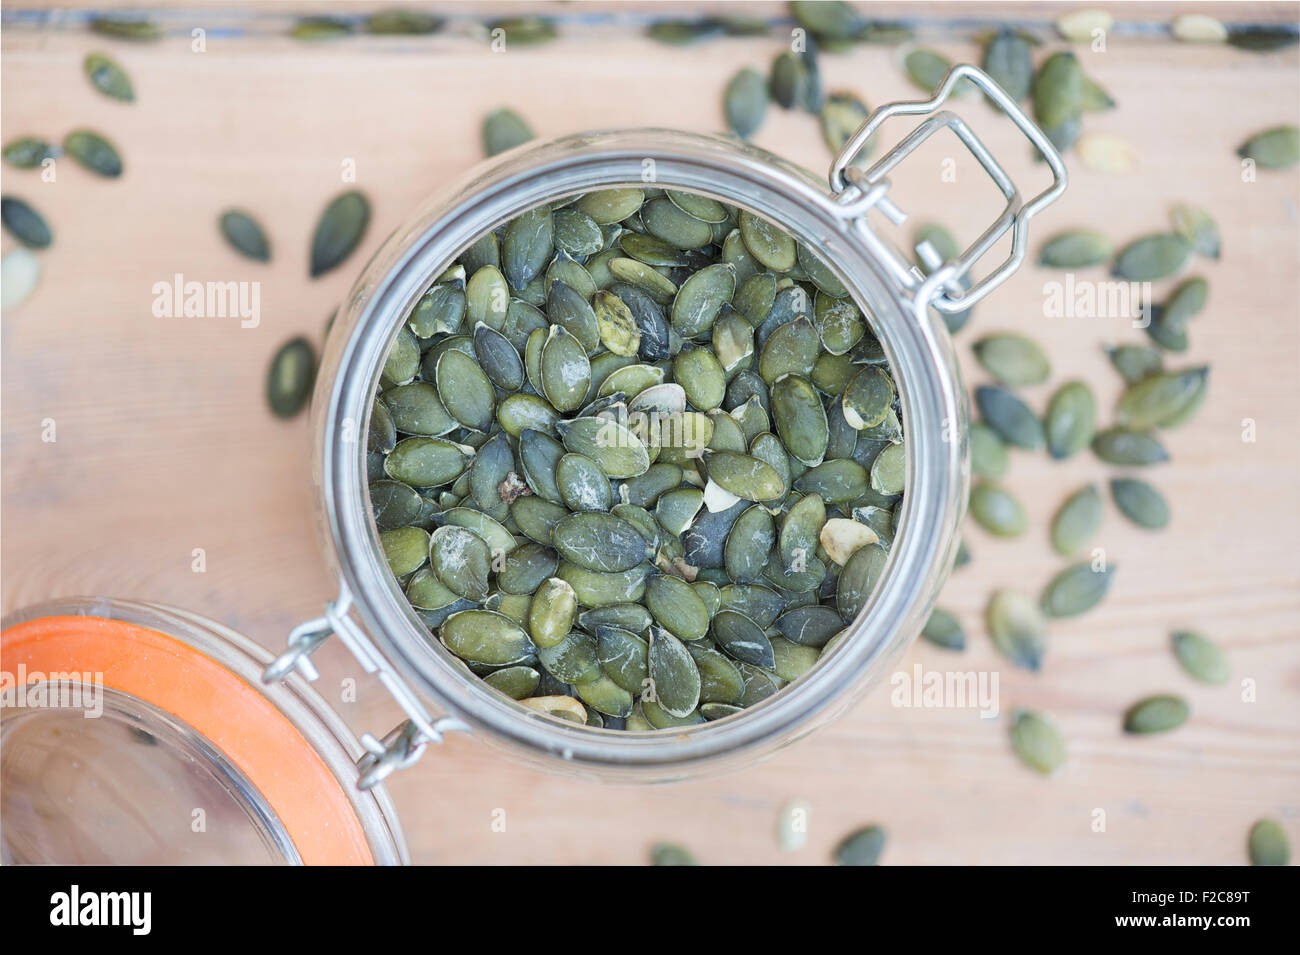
pixel 371 614
pixel 140 734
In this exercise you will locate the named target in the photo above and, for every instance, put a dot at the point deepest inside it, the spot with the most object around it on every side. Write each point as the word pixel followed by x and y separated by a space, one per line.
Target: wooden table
pixel 164 443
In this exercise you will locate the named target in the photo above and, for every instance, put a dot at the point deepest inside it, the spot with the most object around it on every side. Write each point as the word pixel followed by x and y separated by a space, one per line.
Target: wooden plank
pixel 164 444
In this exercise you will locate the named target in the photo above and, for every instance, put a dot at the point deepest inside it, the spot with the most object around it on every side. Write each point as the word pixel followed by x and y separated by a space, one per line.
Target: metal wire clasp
pixel 405 743
pixel 858 191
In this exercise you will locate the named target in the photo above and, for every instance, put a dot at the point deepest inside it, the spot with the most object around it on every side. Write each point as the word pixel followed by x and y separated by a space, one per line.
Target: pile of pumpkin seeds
pixel 636 459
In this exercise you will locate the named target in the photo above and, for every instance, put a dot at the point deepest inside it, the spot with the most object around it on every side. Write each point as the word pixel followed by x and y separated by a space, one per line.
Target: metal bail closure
pixel 405 743
pixel 858 191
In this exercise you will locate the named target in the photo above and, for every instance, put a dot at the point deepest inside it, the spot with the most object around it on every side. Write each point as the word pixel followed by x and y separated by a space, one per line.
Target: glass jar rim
pixel 919 352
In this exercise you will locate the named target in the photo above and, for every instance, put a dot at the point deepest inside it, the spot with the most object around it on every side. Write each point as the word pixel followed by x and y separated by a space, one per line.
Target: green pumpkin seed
pixel 862 847
pixel 320 28
pixel 426 592
pixel 613 446
pixel 800 418
pixel 1201 657
pixel 517 682
pixel 749 545
pixel 605 696
pixel 520 413
pixel 673 674
pixel 841 116
pixel 427 462
pixel 838 322
pixel 889 470
pixel 381 432
pixel 481 636
pixel 341 227
pixel 743 639
pixel 393 504
pixel 405 548
pixel 1012 359
pixel 599 542
pixel 809 626
pixel 1140 503
pixel 1152 258
pixel 701 297
pixel 1010 417
pixel 1070 420
pixel 1017 627
pixel 402 23
pixel 790 350
pixel 926 68
pixel 744 476
pixel 944 630
pixel 1135 362
pixel 1129 448
pixel 573 659
pixel 462 561
pixel 1076 590
pixel 525 31
pixel 487 298
pixel 135 29
pixel 1162 400
pixel 504 129
pixel 868 397
pixel 1276 148
pixel 767 243
pixel 28 152
pixel 1199 229
pixel 498 539
pixel 1008 60
pixel 801 530
pixel 465 391
pixel 528 246
pixel 244 234
pixel 1156 714
pixel 1268 843
pixel 858 579
pixel 745 102
pixel 997 510
pixel 93 152
pixel 1078 249
pixel 988 452
pixel 1058 90
pixel 526 568
pixel 565 371
pixel 1076 521
pixel 624 657
pixel 667 221
pixel 108 77
pixel 789 80
pixel 536 517
pixel 1037 743
pixel 611 205
pixel 24 223
pixel 836 481
pixel 290 377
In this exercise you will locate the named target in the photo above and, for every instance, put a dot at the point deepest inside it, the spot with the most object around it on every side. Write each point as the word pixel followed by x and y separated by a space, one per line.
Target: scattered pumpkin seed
pixel 1008 60
pixel 1037 743
pixel 108 77
pixel 1129 448
pixel 1198 228
pixel 1058 90
pixel 745 102
pixel 926 68
pixel 126 28
pixel 1010 417
pixel 1152 258
pixel 1198 28
pixel 1276 148
pixel 1078 249
pixel 1201 657
pixel 944 630
pixel 93 152
pixel 1135 362
pixel 1017 627
pixel 997 510
pixel 244 234
pixel 989 457
pixel 504 129
pixel 1012 359
pixel 24 223
pixel 1268 843
pixel 1140 503
pixel 1070 421
pixel 1076 521
pixel 1076 590
pixel 339 231
pixel 28 152
pixel 525 31
pixel 862 847
pixel 1262 39
pixel 1156 714
pixel 290 377
pixel 666 853
pixel 1162 400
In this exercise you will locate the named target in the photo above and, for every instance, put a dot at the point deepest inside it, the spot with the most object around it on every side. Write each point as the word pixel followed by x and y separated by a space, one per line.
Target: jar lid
pixel 134 733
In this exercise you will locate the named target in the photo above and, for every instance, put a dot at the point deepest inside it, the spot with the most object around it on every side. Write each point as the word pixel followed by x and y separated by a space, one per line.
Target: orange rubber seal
pixel 218 704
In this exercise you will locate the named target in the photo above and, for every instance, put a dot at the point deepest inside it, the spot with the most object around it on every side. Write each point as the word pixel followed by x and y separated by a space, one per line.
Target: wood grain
pixel 164 444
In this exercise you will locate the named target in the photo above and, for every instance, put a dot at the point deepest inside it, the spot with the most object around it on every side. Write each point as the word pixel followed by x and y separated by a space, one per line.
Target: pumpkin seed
pixel 605 696
pixel 136 29
pixel 93 152
pixel 1162 400
pixel 245 235
pixel 1156 714
pixel 862 847
pixel 1201 657
pixel 613 446
pixel 517 682
pixel 1037 743
pixel 701 297
pixel 837 481
pixel 1010 417
pixel 1129 448
pixel 1275 148
pixel 745 102
pixel 108 77
pixel 743 639
pixel 320 28
pixel 405 549
pixel 1012 359
pixel 1076 521
pixel 504 129
pixel 791 349
pixel 809 626
pixel 667 853
pixel 1008 60
pixel 572 660
pixel 749 545
pixel 1152 258
pixel 290 378
pixel 24 223
pixel 28 152
pixel 1198 228
pixel 1017 627
pixel 525 31
pixel 944 630
pixel 1078 249
pixel 858 579
pixel 1070 420
pixel 926 68
pixel 528 246
pixel 427 462
pixel 1076 590
pixel 673 673
pixel 481 636
pixel 889 470
pixel 745 476
pixel 868 398
pixel 339 231
pixel 988 452
pixel 1198 28
pixel 402 23
pixel 599 542
pixel 462 561
pixel 1140 503
pixel 1058 90
pixel 1269 844
pixel 1135 362
pixel 841 116
pixel 997 510
pixel 526 568
pixel 767 243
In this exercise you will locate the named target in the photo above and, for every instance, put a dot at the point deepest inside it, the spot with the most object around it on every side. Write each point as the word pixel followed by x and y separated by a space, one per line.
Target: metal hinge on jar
pixel 403 745
pixel 858 191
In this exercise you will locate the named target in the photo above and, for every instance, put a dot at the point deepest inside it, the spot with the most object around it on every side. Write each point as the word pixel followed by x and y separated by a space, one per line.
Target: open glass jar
pixel 371 615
